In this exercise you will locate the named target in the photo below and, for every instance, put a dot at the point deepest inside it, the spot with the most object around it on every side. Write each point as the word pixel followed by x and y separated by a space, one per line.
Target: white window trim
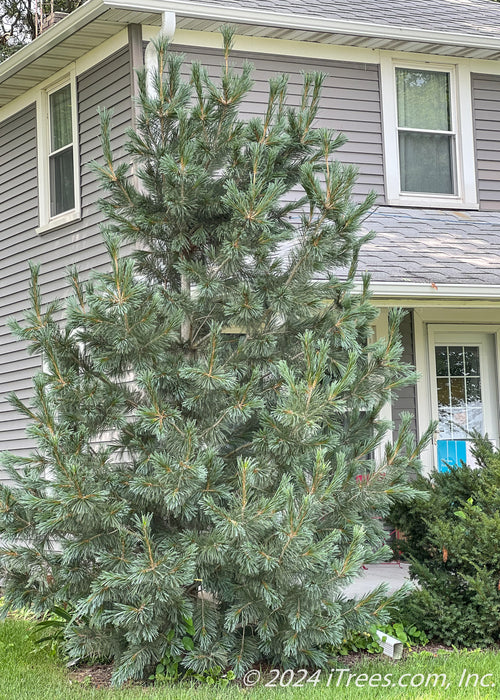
pixel 463 127
pixel 46 221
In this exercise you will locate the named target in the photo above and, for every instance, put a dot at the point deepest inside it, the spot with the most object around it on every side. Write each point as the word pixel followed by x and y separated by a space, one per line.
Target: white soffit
pixel 71 38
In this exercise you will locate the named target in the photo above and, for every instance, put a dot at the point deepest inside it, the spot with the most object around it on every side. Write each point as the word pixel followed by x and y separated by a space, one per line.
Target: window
pixel 426 139
pixel 61 161
pixel 459 400
pixel 58 155
pixel 428 134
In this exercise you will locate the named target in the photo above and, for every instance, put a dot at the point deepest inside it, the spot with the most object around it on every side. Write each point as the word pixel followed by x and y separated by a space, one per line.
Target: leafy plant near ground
pixel 172 670
pixel 410 635
pixel 369 642
pixel 206 409
pixel 49 630
pixel 356 642
pixel 452 542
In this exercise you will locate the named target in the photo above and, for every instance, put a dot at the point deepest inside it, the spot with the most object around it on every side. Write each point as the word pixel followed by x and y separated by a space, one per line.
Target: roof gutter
pixel 428 290
pixel 188 8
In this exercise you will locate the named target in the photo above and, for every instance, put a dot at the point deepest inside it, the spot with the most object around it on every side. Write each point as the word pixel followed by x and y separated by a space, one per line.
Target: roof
pixel 426 253
pixel 465 28
pixel 477 17
pixel 434 247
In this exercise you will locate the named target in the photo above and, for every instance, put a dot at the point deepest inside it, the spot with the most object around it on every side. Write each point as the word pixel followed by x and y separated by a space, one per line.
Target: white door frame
pixel 426 323
pixel 478 337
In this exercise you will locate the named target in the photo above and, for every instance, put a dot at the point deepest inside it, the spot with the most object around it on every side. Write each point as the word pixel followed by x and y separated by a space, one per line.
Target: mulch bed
pixel 359 656
pixel 99 675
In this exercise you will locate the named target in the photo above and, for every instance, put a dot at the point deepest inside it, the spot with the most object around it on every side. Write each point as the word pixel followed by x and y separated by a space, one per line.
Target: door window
pixel 464 389
pixel 459 400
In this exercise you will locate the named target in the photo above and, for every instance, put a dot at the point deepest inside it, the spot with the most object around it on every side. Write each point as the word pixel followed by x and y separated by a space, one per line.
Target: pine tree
pixel 207 414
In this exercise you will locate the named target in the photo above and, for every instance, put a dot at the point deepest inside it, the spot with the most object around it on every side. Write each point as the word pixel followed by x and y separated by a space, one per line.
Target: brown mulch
pixel 99 674
pixel 360 656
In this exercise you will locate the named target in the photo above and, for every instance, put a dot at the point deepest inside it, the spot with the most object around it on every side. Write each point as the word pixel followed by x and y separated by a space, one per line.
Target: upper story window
pixel 58 165
pixel 61 160
pixel 428 135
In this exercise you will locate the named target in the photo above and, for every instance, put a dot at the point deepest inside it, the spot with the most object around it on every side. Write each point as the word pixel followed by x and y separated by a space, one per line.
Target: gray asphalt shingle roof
pixel 433 246
pixel 479 17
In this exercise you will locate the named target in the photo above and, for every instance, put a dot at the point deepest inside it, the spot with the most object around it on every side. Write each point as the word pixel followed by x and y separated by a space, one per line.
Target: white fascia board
pixel 313 23
pixel 423 290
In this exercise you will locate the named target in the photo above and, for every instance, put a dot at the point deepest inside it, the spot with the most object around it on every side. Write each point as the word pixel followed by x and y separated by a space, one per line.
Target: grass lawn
pixel 27 673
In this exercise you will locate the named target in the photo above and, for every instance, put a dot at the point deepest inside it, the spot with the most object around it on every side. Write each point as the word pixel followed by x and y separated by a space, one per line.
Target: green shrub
pixel 452 543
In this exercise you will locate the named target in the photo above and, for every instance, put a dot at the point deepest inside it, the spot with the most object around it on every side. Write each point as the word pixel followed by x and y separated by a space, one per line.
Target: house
pixel 414 86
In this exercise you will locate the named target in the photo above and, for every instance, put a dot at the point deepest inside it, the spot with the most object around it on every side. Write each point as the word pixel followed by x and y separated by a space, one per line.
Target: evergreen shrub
pixel 452 541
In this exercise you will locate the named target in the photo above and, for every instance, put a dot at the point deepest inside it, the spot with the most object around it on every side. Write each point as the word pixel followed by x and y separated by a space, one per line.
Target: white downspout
pixel 167 31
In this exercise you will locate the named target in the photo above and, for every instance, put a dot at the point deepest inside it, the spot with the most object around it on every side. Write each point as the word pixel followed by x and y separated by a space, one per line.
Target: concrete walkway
pixel 393 573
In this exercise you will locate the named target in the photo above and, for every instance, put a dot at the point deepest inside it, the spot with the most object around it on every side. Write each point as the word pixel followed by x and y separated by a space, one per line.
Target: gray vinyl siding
pixel 19 218
pixel 486 103
pixel 105 85
pixel 350 103
pixel 406 401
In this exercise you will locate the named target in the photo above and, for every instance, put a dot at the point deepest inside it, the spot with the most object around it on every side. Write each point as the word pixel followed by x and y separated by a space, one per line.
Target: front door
pixel 465 390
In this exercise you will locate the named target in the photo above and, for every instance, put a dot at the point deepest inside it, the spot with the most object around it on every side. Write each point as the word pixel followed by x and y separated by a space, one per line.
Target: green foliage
pixel 209 403
pixel 171 668
pixel 356 642
pixel 410 635
pixel 18 20
pixel 50 629
pixel 367 641
pixel 452 542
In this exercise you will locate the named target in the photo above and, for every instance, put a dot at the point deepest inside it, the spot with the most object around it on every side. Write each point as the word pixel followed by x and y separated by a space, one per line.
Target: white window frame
pixel 465 196
pixel 46 221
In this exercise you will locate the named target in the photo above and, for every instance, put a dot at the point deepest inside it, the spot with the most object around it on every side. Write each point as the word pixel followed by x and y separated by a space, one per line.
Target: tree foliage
pixel 19 18
pixel 207 416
